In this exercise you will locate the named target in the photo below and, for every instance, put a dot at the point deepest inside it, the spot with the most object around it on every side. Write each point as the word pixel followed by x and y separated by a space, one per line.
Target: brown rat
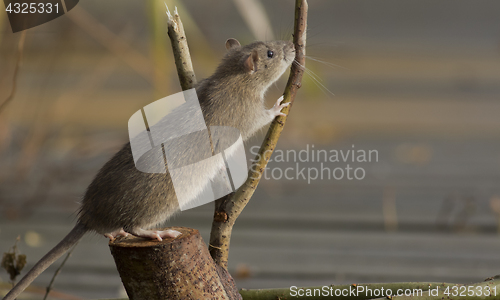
pixel 122 200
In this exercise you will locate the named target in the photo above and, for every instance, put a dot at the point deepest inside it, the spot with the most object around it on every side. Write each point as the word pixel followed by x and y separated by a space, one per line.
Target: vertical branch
pixel 229 208
pixel 180 48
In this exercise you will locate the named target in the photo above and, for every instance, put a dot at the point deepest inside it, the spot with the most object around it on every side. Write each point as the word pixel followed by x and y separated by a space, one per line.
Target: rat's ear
pixel 250 63
pixel 232 43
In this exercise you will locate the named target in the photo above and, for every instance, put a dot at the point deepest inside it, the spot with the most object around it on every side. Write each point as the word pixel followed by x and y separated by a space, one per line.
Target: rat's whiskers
pixel 332 65
pixel 315 77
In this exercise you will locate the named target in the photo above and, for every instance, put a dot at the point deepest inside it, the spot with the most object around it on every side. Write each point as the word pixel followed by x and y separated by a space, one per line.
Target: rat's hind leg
pixel 155 234
pixel 114 234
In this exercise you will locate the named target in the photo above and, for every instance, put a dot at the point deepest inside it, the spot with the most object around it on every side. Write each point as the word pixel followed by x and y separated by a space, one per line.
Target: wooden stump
pixel 179 268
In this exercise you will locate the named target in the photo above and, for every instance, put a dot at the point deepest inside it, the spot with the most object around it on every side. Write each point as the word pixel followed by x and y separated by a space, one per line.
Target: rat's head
pixel 260 63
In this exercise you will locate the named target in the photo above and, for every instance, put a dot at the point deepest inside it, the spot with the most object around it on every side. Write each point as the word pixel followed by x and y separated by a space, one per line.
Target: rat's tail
pixel 69 241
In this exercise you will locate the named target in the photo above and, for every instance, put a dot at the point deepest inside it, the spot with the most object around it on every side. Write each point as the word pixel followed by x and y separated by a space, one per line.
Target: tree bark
pixel 180 48
pixel 179 268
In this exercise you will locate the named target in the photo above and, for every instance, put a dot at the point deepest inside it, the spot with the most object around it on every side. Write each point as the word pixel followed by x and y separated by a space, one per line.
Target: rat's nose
pixel 288 50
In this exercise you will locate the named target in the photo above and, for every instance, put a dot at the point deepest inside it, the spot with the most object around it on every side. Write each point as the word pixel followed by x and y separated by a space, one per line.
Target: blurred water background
pixel 416 81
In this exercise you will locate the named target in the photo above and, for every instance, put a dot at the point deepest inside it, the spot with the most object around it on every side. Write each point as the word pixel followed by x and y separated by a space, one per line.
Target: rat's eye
pixel 270 54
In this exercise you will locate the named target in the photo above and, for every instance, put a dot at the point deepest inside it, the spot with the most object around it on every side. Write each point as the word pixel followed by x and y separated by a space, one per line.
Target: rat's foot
pixel 114 234
pixel 276 110
pixel 155 234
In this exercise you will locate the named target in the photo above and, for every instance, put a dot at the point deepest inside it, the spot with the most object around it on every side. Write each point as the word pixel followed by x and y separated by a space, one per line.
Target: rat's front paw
pixel 276 110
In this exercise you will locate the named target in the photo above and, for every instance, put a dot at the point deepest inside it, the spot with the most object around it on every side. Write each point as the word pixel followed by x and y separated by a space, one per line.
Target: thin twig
pixel 49 287
pixel 180 48
pixel 20 48
pixel 228 209
pixel 420 291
